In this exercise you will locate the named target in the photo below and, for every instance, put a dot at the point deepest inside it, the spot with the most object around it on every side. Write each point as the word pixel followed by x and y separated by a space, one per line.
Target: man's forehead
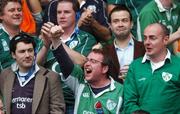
pixel 62 7
pixel 10 5
pixel 120 16
pixel 122 13
pixel 13 3
pixel 22 45
pixel 62 3
pixel 95 55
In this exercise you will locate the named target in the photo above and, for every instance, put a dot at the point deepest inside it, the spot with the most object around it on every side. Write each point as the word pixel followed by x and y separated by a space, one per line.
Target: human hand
pixel 56 33
pixel 86 17
pixel 51 33
pixel 123 72
pixel 45 36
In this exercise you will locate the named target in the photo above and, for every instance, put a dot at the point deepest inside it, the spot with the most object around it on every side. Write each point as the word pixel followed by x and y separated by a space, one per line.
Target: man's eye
pixel 30 50
pixel 93 61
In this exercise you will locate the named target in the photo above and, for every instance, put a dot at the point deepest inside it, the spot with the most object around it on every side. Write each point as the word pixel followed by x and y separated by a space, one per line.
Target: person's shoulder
pixel 0 25
pixel 138 60
pixel 5 72
pixel 6 69
pixel 117 84
pixel 119 88
pixel 1 29
pixel 151 6
pixel 47 72
pixel 84 34
pixel 53 4
pixel 175 59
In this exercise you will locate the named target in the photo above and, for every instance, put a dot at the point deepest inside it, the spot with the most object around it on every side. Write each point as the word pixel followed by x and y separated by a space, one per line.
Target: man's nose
pixel 146 41
pixel 27 54
pixel 17 12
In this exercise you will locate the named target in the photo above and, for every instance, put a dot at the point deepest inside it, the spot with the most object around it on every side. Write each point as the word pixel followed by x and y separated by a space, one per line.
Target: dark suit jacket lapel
pixel 138 49
pixel 40 81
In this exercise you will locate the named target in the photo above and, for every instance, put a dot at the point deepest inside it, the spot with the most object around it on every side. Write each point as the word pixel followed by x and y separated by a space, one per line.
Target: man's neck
pixel 67 32
pixel 101 83
pixel 12 31
pixel 123 42
pixel 167 5
pixel 160 57
pixel 23 70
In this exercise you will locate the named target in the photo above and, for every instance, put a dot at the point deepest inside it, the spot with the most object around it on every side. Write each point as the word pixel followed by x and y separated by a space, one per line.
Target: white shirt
pixel 125 55
pixel 158 65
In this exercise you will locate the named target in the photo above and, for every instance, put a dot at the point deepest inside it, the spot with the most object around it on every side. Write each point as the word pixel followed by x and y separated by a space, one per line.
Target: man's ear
pixel 110 26
pixel 1 16
pixel 13 55
pixel 132 24
pixel 105 69
pixel 166 39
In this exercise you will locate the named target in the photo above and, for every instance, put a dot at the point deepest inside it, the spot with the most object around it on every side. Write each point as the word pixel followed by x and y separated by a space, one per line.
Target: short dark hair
pixel 75 3
pixel 119 8
pixel 107 60
pixel 165 30
pixel 3 3
pixel 21 37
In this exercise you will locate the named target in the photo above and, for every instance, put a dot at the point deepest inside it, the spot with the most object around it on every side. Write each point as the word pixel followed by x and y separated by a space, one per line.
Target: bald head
pixel 158 27
pixel 156 38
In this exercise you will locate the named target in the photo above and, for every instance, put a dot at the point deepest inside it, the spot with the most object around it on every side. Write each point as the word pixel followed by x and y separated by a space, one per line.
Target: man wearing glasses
pixel 95 91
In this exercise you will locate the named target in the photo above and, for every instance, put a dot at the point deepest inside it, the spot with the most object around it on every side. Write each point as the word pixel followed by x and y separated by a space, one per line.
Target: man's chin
pixel 87 77
pixel 28 65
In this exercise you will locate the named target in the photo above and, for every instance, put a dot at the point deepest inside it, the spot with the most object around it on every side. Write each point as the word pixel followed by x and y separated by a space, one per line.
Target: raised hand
pixel 86 17
pixel 56 33
pixel 51 33
pixel 45 34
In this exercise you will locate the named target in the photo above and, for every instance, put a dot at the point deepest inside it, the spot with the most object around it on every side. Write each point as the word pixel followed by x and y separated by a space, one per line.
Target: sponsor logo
pixel 87 112
pixel 73 44
pixel 21 102
pixel 142 79
pixel 98 107
pixel 86 95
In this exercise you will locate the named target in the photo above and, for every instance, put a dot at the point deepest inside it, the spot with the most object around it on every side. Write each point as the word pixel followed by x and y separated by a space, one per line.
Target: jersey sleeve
pixel 130 93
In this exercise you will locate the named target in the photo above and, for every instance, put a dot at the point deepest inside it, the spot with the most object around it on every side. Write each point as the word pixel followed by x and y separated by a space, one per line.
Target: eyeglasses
pixel 93 60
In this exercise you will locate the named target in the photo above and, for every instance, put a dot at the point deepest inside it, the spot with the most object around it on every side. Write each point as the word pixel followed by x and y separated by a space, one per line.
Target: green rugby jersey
pixel 157 92
pixel 5 57
pixel 81 42
pixel 154 13
pixel 86 102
